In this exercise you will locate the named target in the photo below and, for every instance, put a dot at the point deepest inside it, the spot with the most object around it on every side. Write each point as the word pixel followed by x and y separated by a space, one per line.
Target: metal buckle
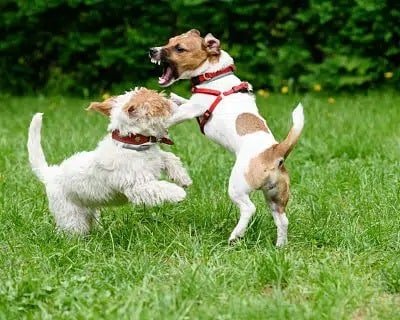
pixel 136 147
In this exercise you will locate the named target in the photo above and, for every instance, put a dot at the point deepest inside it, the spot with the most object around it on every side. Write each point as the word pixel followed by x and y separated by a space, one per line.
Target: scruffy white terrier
pixel 125 166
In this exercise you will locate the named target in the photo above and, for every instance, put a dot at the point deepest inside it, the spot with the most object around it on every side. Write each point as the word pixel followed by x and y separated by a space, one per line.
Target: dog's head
pixel 184 54
pixel 140 110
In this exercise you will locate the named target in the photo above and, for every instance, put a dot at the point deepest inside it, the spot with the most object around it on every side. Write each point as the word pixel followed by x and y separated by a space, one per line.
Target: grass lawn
pixel 173 262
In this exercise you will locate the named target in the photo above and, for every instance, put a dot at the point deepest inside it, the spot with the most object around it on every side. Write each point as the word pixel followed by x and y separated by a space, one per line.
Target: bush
pixel 85 46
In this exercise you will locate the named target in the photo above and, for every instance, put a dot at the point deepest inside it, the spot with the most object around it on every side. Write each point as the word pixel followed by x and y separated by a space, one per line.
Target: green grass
pixel 173 262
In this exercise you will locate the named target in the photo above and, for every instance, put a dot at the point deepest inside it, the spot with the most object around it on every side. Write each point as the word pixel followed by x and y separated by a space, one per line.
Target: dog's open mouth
pixel 168 74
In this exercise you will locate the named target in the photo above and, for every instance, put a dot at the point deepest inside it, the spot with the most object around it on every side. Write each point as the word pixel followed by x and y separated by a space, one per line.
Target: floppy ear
pixel 102 107
pixel 194 31
pixel 212 44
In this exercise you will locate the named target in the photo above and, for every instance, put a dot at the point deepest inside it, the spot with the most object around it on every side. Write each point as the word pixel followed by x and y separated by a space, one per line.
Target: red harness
pixel 138 139
pixel 243 87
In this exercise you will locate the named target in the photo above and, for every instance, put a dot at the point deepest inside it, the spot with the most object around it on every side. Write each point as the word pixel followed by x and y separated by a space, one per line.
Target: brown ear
pixel 194 31
pixel 212 44
pixel 102 107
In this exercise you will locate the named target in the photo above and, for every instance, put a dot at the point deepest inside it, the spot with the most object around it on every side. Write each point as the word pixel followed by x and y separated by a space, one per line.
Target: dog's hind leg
pixel 69 216
pixel 155 192
pixel 277 195
pixel 239 194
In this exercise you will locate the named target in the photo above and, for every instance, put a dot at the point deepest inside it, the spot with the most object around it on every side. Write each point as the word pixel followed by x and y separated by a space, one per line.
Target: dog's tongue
pixel 166 76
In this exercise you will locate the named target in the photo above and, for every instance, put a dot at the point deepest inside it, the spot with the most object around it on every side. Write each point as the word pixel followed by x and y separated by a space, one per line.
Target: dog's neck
pixel 223 61
pixel 152 127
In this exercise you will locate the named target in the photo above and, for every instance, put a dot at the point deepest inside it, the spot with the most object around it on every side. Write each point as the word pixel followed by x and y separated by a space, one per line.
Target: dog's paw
pixel 234 239
pixel 178 194
pixel 184 181
pixel 178 100
pixel 281 242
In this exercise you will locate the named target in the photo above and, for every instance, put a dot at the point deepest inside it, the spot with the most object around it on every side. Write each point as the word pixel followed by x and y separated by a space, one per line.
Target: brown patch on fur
pixel 280 194
pixel 247 123
pixel 149 103
pixel 103 107
pixel 260 168
pixel 194 54
pixel 268 172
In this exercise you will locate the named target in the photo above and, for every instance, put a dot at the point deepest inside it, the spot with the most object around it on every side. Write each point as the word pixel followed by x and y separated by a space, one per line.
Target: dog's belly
pixel 108 199
pixel 99 178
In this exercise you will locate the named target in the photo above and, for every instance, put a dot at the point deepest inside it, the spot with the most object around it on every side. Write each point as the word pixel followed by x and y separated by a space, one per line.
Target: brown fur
pixel 103 107
pixel 153 104
pixel 265 173
pixel 195 54
pixel 287 145
pixel 260 168
pixel 249 123
pixel 280 194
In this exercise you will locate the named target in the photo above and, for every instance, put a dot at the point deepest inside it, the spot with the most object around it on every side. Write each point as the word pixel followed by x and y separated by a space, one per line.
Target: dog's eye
pixel 179 49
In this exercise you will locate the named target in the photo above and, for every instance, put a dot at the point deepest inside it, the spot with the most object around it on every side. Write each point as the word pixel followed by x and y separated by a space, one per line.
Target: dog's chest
pixel 221 127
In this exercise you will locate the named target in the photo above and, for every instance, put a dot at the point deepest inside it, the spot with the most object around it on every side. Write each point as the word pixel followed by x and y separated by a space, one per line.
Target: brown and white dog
pixel 228 114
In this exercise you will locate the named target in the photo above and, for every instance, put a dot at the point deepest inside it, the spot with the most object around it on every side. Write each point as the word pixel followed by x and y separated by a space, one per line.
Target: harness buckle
pixel 206 115
pixel 243 88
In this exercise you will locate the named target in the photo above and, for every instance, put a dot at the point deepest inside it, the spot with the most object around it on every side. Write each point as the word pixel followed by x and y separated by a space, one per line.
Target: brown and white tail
pixel 36 155
pixel 284 148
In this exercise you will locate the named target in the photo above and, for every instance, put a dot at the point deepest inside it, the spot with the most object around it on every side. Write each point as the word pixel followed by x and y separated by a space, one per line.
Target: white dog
pixel 227 113
pixel 125 166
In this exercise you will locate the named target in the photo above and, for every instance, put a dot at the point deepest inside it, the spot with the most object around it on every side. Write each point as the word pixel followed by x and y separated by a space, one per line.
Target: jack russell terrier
pixel 227 113
pixel 125 166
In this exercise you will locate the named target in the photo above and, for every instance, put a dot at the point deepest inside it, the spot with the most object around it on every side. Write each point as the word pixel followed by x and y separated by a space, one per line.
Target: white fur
pixel 221 128
pixel 110 174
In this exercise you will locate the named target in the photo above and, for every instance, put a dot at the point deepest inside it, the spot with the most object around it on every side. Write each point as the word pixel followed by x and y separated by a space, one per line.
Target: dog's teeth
pixel 158 62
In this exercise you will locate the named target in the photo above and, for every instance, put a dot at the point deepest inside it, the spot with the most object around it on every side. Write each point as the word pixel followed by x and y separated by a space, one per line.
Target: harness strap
pixel 242 87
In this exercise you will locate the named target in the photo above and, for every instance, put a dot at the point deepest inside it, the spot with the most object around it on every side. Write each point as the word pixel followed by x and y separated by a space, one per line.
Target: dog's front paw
pixel 184 181
pixel 178 194
pixel 178 100
pixel 182 178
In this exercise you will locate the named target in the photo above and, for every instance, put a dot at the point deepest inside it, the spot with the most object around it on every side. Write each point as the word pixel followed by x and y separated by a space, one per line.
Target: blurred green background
pixel 93 46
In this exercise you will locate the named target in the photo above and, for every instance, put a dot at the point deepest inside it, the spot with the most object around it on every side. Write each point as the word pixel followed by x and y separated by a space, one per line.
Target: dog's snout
pixel 152 51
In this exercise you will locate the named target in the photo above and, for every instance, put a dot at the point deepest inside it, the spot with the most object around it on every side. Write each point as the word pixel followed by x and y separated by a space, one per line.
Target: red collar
pixel 211 75
pixel 138 139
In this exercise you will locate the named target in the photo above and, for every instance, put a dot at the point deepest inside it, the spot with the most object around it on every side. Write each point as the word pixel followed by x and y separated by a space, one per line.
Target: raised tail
pixel 284 148
pixel 36 155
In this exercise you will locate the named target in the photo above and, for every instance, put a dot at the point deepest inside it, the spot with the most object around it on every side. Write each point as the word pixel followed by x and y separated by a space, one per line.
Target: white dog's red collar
pixel 211 75
pixel 138 139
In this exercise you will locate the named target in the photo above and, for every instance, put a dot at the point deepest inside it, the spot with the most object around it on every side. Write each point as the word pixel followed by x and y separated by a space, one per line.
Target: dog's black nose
pixel 152 51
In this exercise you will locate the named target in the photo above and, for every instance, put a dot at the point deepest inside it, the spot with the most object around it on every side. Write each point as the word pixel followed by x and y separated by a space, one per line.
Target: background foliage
pixel 87 46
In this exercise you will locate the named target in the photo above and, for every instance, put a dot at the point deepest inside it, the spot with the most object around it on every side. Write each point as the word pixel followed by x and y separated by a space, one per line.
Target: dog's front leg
pixel 175 170
pixel 178 100
pixel 155 192
pixel 186 111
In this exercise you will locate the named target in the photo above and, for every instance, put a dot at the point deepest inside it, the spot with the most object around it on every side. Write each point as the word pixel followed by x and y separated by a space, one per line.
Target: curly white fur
pixel 110 174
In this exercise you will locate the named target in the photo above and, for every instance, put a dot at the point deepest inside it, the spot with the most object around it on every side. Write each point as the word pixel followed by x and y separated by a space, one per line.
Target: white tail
pixel 290 141
pixel 36 155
